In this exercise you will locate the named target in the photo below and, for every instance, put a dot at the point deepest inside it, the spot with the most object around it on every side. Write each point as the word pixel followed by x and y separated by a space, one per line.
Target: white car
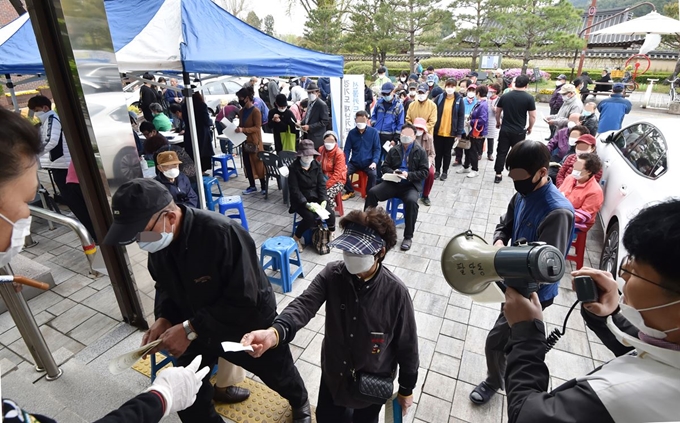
pixel 637 169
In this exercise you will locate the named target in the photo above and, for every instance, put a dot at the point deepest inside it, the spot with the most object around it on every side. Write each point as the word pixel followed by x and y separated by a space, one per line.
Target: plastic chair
pixel 579 249
pixel 281 249
pixel 233 202
pixel 272 164
pixel 287 157
pixel 394 208
pixel 307 235
pixel 224 170
pixel 338 204
pixel 360 184
pixel 211 197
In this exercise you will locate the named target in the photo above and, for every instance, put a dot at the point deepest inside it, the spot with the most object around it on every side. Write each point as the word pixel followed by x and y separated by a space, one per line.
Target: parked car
pixel 638 170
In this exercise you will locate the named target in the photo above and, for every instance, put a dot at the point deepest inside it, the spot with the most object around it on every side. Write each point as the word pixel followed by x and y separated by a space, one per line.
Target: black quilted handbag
pixel 371 388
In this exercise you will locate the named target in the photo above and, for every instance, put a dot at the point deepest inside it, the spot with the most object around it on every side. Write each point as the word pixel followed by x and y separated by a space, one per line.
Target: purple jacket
pixel 561 142
pixel 556 101
pixel 479 118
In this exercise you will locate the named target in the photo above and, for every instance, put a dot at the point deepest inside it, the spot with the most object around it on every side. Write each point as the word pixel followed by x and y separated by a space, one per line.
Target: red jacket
pixel 567 167
pixel 586 198
pixel 333 165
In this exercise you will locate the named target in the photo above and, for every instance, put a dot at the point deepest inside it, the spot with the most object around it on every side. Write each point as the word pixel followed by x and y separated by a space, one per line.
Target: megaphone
pixel 470 265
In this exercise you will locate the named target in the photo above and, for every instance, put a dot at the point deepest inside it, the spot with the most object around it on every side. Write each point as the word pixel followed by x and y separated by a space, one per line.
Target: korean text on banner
pixel 351 101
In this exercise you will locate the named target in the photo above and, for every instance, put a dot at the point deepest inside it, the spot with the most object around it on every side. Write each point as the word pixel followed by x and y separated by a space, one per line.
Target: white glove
pixel 179 385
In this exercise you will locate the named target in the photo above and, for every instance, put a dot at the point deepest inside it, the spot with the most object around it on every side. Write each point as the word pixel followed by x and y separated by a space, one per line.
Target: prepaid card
pixel 125 361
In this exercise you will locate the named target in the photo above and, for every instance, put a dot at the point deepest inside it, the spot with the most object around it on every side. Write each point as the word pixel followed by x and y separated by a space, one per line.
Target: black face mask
pixel 526 186
pixel 242 102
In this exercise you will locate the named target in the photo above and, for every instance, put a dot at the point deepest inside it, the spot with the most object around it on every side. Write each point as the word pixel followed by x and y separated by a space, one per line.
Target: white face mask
pixel 576 173
pixel 471 94
pixel 20 230
pixel 420 132
pixel 306 161
pixel 572 141
pixel 38 114
pixel 634 316
pixel 357 263
pixel 412 93
pixel 559 83
pixel 329 145
pixel 155 246
pixel 361 125
pixel 566 97
pixel 406 140
pixel 571 124
pixel 450 91
pixel 312 97
pixel 171 173
pixel 282 110
pixel 422 97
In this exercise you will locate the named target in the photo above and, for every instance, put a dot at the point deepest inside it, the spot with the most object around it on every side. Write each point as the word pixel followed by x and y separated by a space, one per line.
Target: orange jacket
pixel 333 165
pixel 586 198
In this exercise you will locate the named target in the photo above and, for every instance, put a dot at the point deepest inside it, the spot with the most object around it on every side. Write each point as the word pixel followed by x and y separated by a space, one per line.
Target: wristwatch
pixel 191 335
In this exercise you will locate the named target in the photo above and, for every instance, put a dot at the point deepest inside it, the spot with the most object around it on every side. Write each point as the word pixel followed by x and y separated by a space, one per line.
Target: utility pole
pixel 592 10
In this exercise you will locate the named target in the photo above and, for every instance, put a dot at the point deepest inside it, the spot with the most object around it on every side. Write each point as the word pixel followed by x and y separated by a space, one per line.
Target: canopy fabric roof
pixel 176 35
pixel 651 23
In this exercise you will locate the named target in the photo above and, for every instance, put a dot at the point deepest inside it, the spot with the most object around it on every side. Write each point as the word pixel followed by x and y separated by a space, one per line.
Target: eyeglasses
pixel 150 235
pixel 626 261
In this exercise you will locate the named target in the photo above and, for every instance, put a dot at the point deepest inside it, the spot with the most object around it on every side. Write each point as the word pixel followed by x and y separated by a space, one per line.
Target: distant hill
pixel 613 4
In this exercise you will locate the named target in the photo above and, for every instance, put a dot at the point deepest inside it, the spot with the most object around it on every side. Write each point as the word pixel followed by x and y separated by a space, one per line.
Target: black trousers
pixel 494 349
pixel 328 412
pixel 352 169
pixel 406 192
pixel 472 154
pixel 76 202
pixel 442 150
pixel 275 368
pixel 506 140
pixel 249 172
pixel 489 147
pixel 59 176
pixel 309 219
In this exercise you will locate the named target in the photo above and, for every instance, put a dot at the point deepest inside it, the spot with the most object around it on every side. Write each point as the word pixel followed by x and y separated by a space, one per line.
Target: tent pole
pixel 12 94
pixel 188 92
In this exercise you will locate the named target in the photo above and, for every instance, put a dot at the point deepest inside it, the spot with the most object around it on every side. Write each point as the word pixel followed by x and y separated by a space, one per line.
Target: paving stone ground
pixel 83 327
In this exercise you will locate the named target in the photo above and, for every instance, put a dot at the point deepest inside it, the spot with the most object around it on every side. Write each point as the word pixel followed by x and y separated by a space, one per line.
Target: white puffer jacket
pixel 53 139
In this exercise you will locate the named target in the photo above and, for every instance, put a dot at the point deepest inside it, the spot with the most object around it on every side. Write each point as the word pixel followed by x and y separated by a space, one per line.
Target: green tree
pixel 323 29
pixel 471 22
pixel 269 25
pixel 671 41
pixel 420 23
pixel 253 20
pixel 533 27
pixel 371 29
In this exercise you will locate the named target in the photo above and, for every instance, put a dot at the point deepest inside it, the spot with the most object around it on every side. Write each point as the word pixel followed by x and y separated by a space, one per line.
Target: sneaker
pixel 426 201
pixel 436 175
pixel 490 157
pixel 263 192
pixel 482 393
pixel 443 177
pixel 347 196
pixel 472 174
pixel 463 170
pixel 497 179
pixel 249 190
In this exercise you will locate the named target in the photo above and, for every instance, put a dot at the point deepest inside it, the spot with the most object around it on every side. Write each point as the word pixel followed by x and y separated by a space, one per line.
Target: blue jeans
pixel 352 169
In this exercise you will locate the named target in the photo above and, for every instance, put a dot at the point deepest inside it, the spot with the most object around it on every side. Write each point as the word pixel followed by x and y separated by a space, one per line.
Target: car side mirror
pixel 609 139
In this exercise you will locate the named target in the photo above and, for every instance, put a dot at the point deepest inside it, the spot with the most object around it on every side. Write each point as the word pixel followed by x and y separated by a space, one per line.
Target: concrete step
pixel 31 269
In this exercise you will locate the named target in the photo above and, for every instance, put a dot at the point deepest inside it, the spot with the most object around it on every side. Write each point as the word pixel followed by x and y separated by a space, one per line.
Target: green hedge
pixel 595 74
pixel 395 68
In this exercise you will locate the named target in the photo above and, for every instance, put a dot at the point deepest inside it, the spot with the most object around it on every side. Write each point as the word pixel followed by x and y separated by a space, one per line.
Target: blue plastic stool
pixel 224 171
pixel 231 203
pixel 280 249
pixel 394 208
pixel 155 367
pixel 210 196
pixel 307 235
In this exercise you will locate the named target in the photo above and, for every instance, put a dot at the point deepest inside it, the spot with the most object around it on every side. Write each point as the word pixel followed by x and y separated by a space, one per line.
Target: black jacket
pixel 317 118
pixel 368 326
pixel 435 92
pixel 180 189
pixel 418 164
pixel 591 122
pixel 306 186
pixel 527 376
pixel 457 117
pixel 147 95
pixel 211 276
pixel 203 130
pixel 287 123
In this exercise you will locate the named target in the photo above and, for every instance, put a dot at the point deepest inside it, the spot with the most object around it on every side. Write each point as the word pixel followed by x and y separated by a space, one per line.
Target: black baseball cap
pixel 133 205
